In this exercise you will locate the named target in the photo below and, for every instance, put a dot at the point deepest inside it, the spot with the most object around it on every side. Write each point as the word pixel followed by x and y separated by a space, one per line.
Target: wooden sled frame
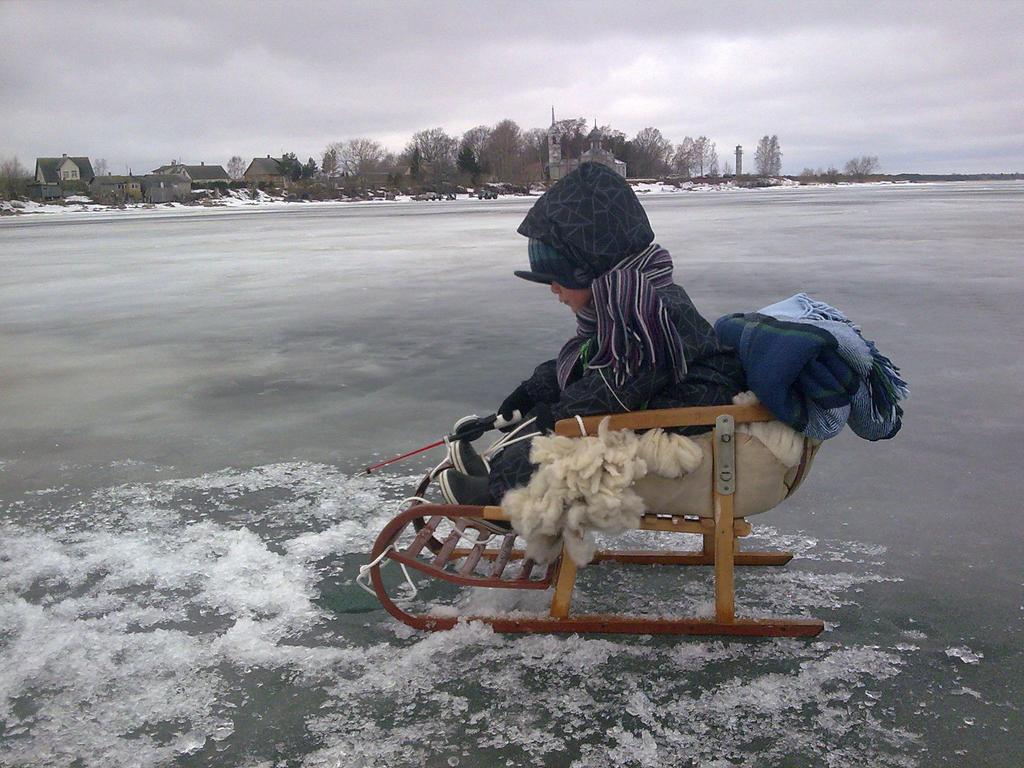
pixel 721 537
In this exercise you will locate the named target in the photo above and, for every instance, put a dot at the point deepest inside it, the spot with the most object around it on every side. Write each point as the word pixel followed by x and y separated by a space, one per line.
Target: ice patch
pixel 965 691
pixel 965 654
pixel 126 615
pixel 139 623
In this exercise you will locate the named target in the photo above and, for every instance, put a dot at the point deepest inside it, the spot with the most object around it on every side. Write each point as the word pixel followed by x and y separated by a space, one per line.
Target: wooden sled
pixel 438 547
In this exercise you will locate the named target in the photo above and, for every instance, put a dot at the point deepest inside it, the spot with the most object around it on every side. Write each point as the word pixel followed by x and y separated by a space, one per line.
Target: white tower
pixel 554 149
pixel 739 161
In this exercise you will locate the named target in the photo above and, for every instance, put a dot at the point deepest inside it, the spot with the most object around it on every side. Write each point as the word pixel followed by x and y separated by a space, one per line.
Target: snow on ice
pixel 130 624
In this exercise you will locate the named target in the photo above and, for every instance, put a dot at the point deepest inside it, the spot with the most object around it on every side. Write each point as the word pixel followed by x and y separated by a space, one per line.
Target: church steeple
pixel 595 138
pixel 554 149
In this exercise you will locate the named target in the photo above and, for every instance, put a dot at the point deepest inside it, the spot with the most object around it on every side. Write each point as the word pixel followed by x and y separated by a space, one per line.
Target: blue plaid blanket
pixel 812 368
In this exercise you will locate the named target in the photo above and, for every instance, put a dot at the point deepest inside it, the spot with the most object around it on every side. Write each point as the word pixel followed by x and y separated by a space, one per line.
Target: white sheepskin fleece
pixel 585 484
pixel 782 440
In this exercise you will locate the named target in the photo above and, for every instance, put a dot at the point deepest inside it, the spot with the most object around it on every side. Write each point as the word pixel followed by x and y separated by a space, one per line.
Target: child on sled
pixel 639 343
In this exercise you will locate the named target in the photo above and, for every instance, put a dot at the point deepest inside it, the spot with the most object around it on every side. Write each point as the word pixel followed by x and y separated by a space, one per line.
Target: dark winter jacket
pixel 714 375
pixel 593 219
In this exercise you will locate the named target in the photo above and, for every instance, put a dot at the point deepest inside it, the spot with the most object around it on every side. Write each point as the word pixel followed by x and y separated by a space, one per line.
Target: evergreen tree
pixel 309 169
pixel 467 162
pixel 416 164
pixel 290 166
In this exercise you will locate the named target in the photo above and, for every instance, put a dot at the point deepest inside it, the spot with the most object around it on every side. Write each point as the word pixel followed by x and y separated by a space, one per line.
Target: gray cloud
pixel 926 86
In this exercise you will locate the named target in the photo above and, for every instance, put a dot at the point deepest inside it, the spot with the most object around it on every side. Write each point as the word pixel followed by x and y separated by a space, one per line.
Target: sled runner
pixel 474 546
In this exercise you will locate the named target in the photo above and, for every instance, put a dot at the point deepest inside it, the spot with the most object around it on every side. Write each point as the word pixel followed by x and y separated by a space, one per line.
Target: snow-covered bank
pixel 231 200
pixel 241 200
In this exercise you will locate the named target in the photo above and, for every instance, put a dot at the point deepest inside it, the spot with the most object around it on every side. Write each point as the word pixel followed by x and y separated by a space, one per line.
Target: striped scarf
pixel 630 325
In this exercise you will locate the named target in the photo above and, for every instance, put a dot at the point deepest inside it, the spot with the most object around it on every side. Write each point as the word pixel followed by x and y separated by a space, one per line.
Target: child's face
pixel 575 298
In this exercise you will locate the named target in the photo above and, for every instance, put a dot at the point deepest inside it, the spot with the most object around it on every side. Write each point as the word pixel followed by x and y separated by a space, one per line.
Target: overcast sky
pixel 928 87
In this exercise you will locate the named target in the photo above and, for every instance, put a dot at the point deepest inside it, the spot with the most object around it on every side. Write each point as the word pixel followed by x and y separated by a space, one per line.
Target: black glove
pixel 545 422
pixel 519 400
pixel 470 429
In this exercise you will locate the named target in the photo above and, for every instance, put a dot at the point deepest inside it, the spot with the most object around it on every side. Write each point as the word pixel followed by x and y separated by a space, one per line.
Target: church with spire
pixel 559 166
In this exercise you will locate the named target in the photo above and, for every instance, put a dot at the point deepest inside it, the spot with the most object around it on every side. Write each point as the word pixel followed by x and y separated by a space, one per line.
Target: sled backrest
pixel 762 482
pixel 703 415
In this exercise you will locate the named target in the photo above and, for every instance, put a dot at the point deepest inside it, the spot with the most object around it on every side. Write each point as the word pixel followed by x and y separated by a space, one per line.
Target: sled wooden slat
pixel 503 555
pixel 640 625
pixel 449 544
pixel 677 557
pixel 683 525
pixel 491 554
pixel 526 569
pixel 666 417
pixel 421 538
pixel 473 557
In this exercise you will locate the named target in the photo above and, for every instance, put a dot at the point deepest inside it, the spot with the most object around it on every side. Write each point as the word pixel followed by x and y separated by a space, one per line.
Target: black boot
pixel 466 460
pixel 459 488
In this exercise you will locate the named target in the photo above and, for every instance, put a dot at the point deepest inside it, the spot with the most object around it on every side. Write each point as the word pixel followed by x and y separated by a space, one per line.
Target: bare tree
pixel 704 154
pixel 14 178
pixel 357 157
pixel 236 167
pixel 572 136
pixel 329 161
pixel 768 156
pixel 437 150
pixel 776 156
pixel 649 153
pixel 763 156
pixel 727 169
pixel 101 167
pixel 862 167
pixel 711 157
pixel 535 152
pixel 684 160
pixel 503 151
pixel 615 141
pixel 476 140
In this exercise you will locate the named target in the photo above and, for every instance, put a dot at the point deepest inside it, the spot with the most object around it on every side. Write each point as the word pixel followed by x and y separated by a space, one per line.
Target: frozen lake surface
pixel 185 400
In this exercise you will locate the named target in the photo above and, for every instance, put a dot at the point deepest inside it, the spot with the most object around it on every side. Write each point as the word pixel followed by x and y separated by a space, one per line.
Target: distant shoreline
pixel 19 209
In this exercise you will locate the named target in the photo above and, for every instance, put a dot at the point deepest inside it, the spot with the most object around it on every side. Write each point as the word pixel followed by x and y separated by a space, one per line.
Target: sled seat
pixel 767 482
pixel 713 517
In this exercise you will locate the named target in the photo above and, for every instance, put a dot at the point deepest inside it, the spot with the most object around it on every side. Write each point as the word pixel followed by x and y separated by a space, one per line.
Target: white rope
pixel 508 439
pixel 363 579
pixel 614 393
pixel 446 461
pixel 583 427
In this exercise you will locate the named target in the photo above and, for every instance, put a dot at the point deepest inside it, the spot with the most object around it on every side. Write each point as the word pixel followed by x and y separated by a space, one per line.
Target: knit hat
pixel 549 266
pixel 592 220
